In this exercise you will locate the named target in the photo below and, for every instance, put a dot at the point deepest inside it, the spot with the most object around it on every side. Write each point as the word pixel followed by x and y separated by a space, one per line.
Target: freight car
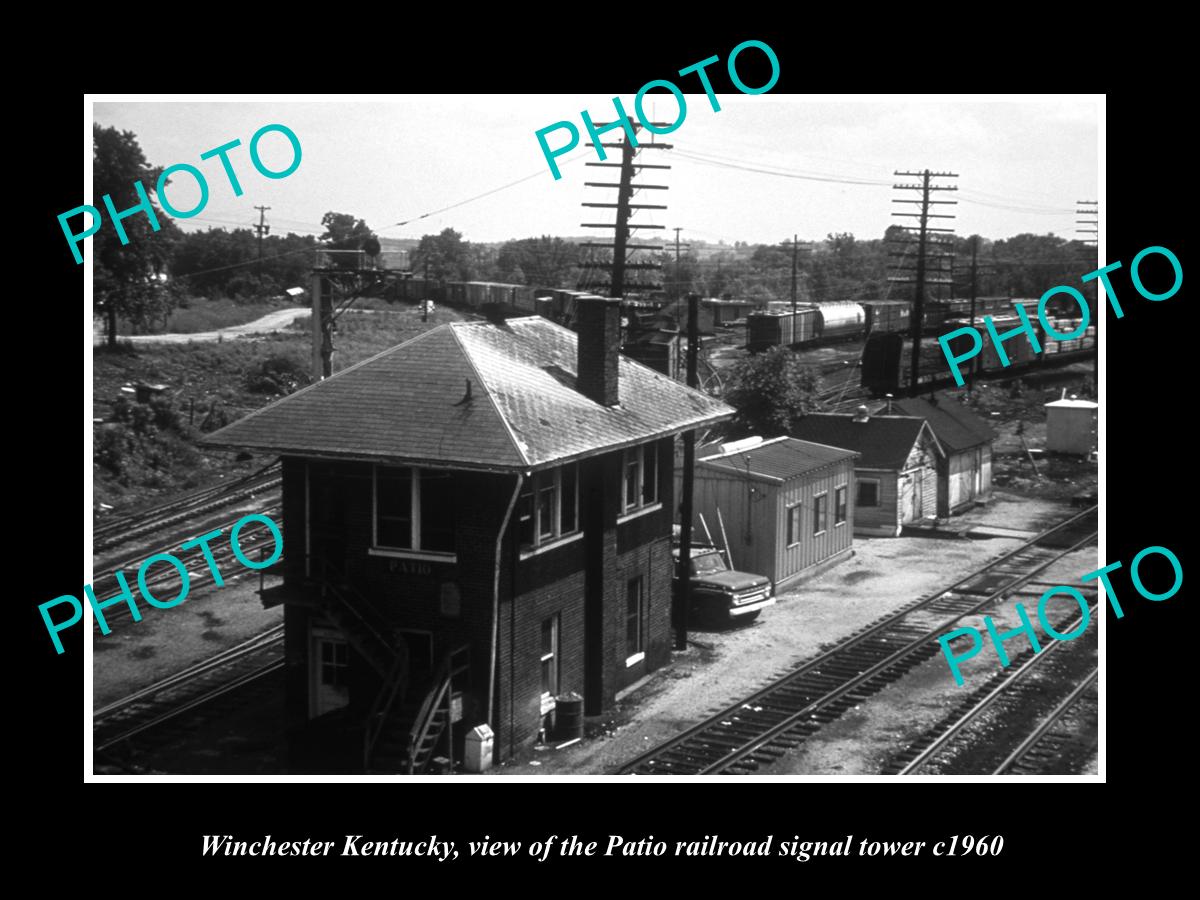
pixel 887 357
pixel 887 316
pixel 813 323
pixel 497 298
pixel 776 328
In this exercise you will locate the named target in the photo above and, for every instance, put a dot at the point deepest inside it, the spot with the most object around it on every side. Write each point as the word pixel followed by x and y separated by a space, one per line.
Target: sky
pixel 757 170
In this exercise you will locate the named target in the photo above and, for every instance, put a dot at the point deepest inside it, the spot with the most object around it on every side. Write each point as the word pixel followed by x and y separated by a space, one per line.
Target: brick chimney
pixel 598 323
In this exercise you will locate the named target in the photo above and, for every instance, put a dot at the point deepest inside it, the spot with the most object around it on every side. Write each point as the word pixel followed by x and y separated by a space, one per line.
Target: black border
pixel 1147 413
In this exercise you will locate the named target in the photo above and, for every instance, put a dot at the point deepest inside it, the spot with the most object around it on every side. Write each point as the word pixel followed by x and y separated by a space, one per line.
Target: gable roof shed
pixel 882 442
pixel 957 427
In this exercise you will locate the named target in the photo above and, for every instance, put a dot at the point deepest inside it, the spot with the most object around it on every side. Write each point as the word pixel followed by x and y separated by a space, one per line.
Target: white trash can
pixel 478 751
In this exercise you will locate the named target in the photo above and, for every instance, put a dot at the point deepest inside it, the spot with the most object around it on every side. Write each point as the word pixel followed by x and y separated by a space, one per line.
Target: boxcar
pixel 885 316
pixel 775 328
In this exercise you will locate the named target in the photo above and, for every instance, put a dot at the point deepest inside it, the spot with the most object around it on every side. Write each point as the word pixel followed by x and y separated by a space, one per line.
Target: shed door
pixel 918 489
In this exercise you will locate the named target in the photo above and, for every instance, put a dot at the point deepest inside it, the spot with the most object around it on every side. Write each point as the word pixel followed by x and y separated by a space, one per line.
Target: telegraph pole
pixel 1090 210
pixel 425 303
pixel 795 254
pixel 689 475
pixel 678 280
pixel 1087 223
pixel 263 229
pixel 974 294
pixel 677 230
pixel 925 237
pixel 626 188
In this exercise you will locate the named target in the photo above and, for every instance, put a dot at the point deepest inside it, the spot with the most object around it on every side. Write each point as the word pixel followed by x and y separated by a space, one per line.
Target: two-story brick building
pixel 475 522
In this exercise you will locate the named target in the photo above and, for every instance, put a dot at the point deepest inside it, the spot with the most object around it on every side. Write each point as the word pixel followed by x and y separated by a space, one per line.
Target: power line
pixel 497 190
pixel 778 174
pixel 249 262
pixel 882 169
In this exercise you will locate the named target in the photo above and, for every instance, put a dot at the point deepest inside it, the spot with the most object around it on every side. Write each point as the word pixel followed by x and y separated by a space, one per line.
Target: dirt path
pixel 273 321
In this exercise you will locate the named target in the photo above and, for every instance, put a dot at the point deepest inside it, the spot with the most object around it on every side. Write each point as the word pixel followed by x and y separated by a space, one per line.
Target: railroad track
pixel 168 700
pixel 1067 733
pixel 255 542
pixel 116 532
pixel 778 717
pixel 970 732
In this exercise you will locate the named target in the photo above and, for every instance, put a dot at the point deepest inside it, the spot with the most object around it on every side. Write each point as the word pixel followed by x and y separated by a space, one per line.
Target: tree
pixel 544 261
pixel 130 279
pixel 447 255
pixel 770 391
pixel 344 232
pixel 220 263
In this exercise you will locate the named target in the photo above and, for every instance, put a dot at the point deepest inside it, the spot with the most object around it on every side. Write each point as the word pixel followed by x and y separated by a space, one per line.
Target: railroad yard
pixel 196 690
pixel 164 664
pixel 556 506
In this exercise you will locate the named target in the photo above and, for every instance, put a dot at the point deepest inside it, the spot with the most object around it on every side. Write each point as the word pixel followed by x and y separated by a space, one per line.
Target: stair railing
pixel 395 685
pixel 353 607
pixel 442 682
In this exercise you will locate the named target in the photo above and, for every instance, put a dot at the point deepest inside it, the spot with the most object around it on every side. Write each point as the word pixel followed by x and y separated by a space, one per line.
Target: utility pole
pixel 926 237
pixel 1087 223
pixel 425 303
pixel 1090 210
pixel 689 474
pixel 974 293
pixel 263 229
pixel 795 253
pixel 676 279
pixel 796 248
pixel 621 247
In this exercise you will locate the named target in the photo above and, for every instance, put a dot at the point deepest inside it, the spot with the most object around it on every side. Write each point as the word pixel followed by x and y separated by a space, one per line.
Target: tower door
pixel 329 668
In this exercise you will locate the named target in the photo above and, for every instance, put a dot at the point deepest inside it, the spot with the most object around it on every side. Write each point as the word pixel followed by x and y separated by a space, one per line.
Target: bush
pixel 276 375
pixel 249 286
pixel 216 417
pixel 770 391
pixel 114 446
pixel 165 416
pixel 122 410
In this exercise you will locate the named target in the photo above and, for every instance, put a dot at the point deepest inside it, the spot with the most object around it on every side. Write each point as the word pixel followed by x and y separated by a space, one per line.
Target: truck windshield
pixel 707 563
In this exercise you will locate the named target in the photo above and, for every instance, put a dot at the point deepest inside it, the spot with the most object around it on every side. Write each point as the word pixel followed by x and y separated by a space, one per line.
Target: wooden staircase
pixel 405 726
pixel 364 628
pixel 396 750
pixel 406 740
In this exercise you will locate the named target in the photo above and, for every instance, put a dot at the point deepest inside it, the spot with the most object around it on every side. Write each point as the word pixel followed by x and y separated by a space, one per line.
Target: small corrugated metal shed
pixel 778 460
pixel 1071 426
pixel 786 505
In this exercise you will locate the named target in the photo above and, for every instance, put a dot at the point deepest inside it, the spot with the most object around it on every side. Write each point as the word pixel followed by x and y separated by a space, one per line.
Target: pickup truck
pixel 722 594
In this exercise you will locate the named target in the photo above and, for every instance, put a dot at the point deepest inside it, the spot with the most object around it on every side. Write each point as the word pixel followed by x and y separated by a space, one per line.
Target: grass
pixel 210 315
pixel 212 377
